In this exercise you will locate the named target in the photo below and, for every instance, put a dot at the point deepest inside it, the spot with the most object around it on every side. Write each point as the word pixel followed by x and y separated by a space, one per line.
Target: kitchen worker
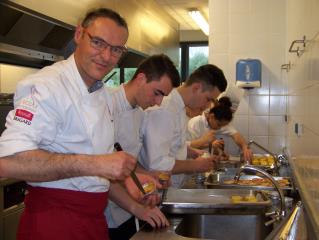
pixel 213 126
pixel 154 78
pixel 60 138
pixel 201 130
pixel 164 129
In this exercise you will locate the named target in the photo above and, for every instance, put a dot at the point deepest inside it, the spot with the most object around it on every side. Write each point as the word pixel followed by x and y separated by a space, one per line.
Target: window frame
pixel 185 56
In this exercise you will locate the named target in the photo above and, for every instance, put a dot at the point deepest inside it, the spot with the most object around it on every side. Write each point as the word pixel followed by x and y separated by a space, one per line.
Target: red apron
pixel 58 214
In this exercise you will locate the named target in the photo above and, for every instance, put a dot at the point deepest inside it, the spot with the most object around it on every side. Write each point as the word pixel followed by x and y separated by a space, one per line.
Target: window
pixel 113 78
pixel 192 56
pixel 128 74
pixel 198 56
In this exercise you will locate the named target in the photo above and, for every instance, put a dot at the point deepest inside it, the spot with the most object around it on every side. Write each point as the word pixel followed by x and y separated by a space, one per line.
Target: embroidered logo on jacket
pixel 23 116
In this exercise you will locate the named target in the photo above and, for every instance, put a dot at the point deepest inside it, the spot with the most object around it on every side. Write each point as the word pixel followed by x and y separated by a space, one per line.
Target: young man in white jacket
pixel 164 129
pixel 154 78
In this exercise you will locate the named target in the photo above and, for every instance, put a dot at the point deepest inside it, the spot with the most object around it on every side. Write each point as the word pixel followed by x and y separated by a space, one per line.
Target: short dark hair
pixel 106 13
pixel 156 66
pixel 222 109
pixel 210 76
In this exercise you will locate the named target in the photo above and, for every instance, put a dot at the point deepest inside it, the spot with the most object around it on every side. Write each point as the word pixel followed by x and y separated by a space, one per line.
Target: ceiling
pixel 178 10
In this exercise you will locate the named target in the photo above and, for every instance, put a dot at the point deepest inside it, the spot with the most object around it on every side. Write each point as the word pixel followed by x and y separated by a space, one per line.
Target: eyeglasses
pixel 99 44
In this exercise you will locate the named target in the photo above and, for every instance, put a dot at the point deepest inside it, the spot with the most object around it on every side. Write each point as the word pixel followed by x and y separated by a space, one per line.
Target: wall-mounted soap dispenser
pixel 248 73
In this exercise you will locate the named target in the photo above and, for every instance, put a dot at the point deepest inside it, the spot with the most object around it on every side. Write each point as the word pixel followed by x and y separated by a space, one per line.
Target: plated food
pixel 241 199
pixel 259 182
pixel 149 187
pixel 263 160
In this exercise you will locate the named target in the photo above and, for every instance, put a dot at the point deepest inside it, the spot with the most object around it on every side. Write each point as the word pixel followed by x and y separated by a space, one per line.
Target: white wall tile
pixel 238 44
pixel 220 20
pixel 277 126
pixel 219 44
pixel 278 16
pixel 239 6
pixel 243 106
pixel 258 105
pixel 313 120
pixel 221 60
pixel 239 24
pixel 258 125
pixel 277 105
pixel 297 105
pixel 276 144
pixel 261 140
pixel 260 7
pixel 240 122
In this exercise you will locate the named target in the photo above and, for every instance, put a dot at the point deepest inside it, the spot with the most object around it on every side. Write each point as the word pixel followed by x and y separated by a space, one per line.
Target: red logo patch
pixel 24 114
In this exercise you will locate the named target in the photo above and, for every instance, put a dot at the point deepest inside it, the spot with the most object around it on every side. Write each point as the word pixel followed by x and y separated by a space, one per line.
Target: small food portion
pixel 243 199
pixel 259 182
pixel 263 160
pixel 250 198
pixel 163 176
pixel 149 187
pixel 236 199
pixel 164 179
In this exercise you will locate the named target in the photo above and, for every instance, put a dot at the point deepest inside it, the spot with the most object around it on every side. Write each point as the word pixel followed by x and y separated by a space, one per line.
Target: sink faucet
pixel 276 165
pixel 280 159
pixel 278 214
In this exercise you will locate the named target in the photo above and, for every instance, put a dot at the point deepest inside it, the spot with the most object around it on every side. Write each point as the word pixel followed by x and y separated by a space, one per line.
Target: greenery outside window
pixel 192 56
pixel 113 78
pixel 128 74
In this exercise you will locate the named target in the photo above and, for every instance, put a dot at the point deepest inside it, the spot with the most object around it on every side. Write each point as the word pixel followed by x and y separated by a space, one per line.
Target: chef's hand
pixel 247 154
pixel 115 166
pixel 194 152
pixel 153 216
pixel 208 137
pixel 150 199
pixel 218 143
pixel 205 164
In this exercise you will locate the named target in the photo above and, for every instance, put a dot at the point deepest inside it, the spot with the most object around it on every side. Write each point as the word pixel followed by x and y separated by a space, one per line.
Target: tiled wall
pixel 265 29
pixel 303 78
pixel 243 29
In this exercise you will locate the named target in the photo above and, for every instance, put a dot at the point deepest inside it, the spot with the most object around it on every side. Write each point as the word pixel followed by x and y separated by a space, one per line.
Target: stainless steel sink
pixel 212 214
pixel 221 227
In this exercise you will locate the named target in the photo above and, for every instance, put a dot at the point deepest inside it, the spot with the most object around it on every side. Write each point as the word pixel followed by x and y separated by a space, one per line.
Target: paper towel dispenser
pixel 248 73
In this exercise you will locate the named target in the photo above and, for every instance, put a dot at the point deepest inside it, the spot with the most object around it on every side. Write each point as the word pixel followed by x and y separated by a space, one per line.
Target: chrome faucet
pixel 280 159
pixel 261 147
pixel 278 214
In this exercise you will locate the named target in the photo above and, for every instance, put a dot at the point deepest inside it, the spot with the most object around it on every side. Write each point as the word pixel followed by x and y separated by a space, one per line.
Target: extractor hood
pixel 28 37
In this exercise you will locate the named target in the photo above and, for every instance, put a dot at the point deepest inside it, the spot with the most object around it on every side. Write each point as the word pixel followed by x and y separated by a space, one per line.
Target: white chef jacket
pixel 198 126
pixel 55 112
pixel 127 122
pixel 164 136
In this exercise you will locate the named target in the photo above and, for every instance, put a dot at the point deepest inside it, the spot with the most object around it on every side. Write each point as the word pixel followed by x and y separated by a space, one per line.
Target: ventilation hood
pixel 33 39
pixel 30 38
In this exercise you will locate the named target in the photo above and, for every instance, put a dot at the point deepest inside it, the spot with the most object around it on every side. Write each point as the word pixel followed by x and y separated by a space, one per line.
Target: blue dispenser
pixel 248 73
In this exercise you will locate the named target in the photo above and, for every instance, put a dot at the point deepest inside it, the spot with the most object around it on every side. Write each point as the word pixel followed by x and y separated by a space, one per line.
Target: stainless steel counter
pixel 161 234
pixel 210 213
pixel 176 220
pixel 306 174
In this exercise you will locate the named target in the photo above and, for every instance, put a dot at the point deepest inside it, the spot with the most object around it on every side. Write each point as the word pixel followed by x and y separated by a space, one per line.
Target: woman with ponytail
pixel 202 130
